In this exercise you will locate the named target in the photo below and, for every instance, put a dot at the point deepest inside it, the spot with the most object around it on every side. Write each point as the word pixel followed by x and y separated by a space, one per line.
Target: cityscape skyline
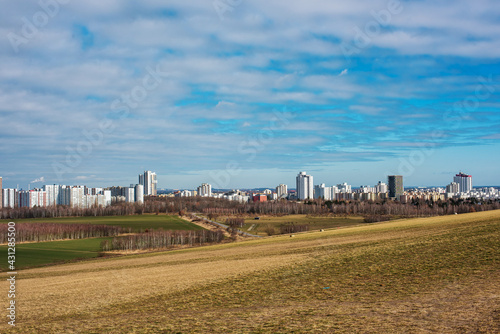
pixel 100 90
pixel 80 196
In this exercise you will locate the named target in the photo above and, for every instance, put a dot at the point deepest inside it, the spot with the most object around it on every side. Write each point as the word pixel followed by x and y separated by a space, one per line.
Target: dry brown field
pixel 439 274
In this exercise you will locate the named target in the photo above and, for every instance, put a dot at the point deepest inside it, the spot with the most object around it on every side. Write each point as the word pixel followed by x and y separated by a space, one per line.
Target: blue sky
pixel 249 93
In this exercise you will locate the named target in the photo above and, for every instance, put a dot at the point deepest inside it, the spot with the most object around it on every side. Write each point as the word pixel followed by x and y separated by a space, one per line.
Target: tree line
pixel 159 239
pixel 51 231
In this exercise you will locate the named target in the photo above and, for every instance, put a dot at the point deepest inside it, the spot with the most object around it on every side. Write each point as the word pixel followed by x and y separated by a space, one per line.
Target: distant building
pixel 130 195
pixel 453 188
pixel 282 191
pixel 305 187
pixel 149 181
pixel 381 188
pixel 1 193
pixel 323 192
pixel 52 194
pixel 32 198
pixel 464 181
pixel 259 198
pixel 139 193
pixel 9 198
pixel 396 188
pixel 344 188
pixel 205 190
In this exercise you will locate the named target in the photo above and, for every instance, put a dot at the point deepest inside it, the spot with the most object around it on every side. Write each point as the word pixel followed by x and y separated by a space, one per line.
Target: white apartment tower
pixel 52 194
pixel 149 181
pixel 205 190
pixel 282 191
pixel 323 192
pixel 381 188
pixel 464 181
pixel 9 198
pixel 305 187
pixel 139 193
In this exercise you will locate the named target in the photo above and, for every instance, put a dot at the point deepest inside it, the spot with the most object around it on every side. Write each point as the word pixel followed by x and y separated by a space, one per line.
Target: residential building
pixel 323 192
pixel 259 198
pixel 453 188
pixel 344 188
pixel 464 181
pixel 381 188
pixel 395 187
pixel 305 186
pixel 130 195
pixel 205 190
pixel 9 198
pixel 52 194
pixel 149 181
pixel 32 198
pixel 282 191
pixel 139 193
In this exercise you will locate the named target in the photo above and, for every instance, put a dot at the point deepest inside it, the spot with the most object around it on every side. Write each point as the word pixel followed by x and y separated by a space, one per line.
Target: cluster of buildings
pixel 307 190
pixel 83 197
pixel 79 196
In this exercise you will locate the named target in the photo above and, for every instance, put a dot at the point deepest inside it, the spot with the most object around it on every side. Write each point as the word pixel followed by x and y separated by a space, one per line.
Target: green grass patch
pixel 137 223
pixel 53 252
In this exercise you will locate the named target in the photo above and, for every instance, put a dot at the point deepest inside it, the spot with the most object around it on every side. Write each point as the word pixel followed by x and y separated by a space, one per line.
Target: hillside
pixel 439 274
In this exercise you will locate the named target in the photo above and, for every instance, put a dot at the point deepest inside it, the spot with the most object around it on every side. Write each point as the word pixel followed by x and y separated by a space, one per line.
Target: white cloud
pixel 39 180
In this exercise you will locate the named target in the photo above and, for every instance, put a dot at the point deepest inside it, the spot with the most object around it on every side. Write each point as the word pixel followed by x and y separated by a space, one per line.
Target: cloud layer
pixel 189 88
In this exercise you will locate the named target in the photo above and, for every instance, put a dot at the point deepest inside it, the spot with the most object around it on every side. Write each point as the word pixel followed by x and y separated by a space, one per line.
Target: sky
pixel 244 94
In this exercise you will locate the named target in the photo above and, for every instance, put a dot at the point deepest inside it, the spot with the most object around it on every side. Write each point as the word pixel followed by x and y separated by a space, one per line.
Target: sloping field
pixel 261 226
pixel 43 253
pixel 437 275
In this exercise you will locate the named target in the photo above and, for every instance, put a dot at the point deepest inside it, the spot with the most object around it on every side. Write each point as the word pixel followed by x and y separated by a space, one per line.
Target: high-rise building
pixel 32 198
pixel 453 188
pixel 130 195
pixel 464 181
pixel 323 192
pixel 305 187
pixel 396 188
pixel 205 190
pixel 149 181
pixel 9 198
pixel 139 193
pixel 344 188
pixel 77 196
pixel 381 188
pixel 52 194
pixel 282 191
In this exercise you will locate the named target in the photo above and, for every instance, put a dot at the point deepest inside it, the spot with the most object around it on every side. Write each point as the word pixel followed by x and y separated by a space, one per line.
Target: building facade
pixel 149 181
pixel 395 185
pixel 205 190
pixel 305 186
pixel 453 188
pixel 32 198
pixel 464 181
pixel 282 191
pixel 9 198
pixel 139 193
